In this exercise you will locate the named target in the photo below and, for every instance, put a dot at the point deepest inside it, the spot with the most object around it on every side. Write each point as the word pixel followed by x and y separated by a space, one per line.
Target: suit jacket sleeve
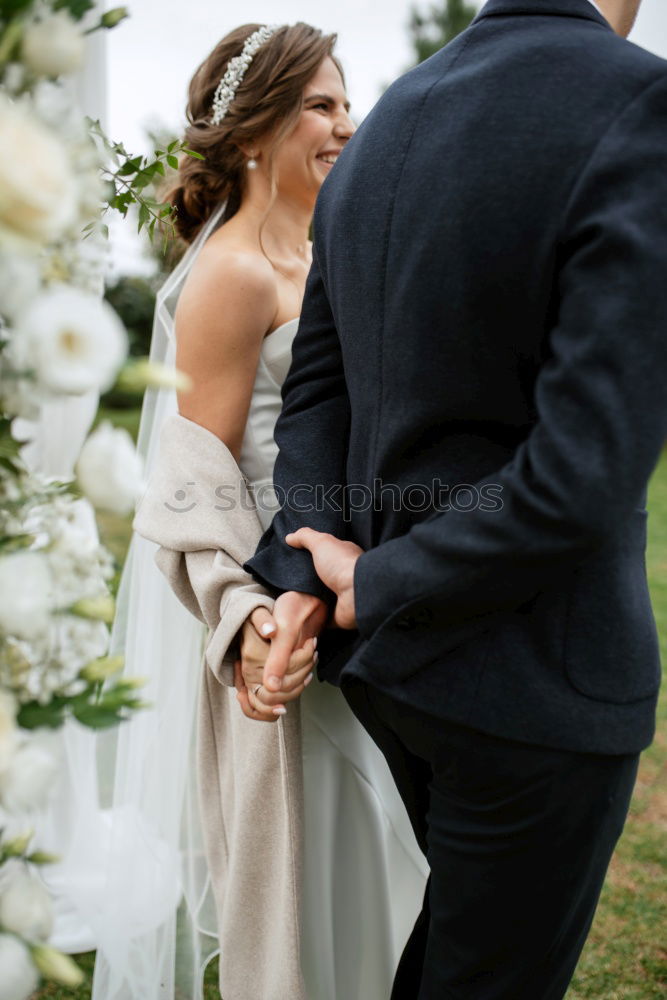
pixel 204 533
pixel 312 434
pixel 601 400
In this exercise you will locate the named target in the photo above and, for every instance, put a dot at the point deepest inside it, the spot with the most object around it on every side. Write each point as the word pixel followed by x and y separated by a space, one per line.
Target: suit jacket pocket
pixel 611 646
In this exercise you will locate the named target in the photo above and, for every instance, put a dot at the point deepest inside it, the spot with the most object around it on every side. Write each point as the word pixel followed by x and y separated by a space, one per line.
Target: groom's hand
pixel 255 701
pixel 334 562
pixel 298 617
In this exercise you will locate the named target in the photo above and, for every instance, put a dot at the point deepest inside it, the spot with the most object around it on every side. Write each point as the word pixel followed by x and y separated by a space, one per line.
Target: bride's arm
pixel 227 306
pixel 223 313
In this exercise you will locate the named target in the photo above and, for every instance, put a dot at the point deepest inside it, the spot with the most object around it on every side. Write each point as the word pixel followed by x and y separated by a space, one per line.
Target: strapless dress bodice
pixel 259 449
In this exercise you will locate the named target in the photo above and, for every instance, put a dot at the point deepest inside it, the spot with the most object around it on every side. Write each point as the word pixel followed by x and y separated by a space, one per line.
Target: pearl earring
pixel 252 163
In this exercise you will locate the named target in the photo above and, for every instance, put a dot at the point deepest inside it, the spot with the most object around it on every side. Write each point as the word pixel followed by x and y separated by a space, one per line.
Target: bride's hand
pixel 256 701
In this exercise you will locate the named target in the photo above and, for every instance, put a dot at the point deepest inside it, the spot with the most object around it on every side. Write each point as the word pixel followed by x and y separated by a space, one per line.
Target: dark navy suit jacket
pixel 487 308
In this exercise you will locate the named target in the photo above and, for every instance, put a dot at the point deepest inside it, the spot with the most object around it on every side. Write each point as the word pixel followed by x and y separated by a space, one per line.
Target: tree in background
pixel 443 22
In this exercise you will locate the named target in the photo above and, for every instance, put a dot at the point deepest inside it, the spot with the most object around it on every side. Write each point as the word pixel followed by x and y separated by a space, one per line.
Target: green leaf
pixel 173 161
pixel 121 202
pixel 96 717
pixel 142 180
pixel 144 216
pixel 191 152
pixel 131 166
pixel 32 715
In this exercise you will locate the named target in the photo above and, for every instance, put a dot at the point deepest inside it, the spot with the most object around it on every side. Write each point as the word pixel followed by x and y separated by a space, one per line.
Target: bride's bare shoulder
pixel 232 276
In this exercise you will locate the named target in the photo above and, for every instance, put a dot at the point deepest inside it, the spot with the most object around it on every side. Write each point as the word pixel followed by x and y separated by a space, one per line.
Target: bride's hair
pixel 267 103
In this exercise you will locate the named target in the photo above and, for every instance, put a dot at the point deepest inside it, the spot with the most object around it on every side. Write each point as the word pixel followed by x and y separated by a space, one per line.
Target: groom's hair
pixel 267 103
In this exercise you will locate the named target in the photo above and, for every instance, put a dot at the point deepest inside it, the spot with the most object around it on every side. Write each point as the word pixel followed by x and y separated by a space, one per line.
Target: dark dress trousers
pixel 478 396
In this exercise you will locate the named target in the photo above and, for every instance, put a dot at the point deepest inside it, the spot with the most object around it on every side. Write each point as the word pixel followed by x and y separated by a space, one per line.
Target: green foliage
pixel 439 25
pixel 95 707
pixel 134 179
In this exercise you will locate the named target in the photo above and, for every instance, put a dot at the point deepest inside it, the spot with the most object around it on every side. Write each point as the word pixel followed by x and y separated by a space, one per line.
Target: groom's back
pixel 439 235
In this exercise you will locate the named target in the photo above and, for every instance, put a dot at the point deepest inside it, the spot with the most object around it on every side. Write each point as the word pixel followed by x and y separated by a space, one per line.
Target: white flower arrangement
pixel 58 338
pixel 38 191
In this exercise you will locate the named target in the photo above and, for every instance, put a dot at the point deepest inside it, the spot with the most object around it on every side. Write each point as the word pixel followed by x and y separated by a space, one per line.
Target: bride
pixel 296 861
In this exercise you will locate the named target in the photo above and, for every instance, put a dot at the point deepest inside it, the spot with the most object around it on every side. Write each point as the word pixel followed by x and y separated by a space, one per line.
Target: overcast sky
pixel 151 56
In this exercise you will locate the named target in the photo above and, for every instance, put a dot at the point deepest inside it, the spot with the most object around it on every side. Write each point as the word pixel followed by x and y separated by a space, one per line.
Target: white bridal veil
pixel 154 920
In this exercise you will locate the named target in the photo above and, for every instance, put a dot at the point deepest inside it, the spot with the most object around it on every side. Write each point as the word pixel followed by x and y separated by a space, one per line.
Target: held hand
pixel 256 633
pixel 298 618
pixel 334 562
pixel 256 702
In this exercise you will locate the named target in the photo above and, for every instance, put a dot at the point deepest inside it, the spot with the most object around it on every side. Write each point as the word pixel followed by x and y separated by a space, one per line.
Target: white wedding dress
pixel 364 875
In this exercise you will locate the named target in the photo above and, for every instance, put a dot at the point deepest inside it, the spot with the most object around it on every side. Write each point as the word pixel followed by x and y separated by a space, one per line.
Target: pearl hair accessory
pixel 236 70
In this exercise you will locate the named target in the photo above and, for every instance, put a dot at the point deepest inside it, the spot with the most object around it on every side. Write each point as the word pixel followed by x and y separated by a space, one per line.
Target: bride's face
pixel 309 152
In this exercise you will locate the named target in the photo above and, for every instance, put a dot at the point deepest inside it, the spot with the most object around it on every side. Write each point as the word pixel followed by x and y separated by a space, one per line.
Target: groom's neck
pixel 621 14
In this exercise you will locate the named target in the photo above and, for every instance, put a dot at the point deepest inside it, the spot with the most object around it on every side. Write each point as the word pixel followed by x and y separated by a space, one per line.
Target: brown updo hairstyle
pixel 267 104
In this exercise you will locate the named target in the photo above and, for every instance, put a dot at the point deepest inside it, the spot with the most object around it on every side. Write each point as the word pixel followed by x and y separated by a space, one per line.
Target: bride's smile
pixel 308 154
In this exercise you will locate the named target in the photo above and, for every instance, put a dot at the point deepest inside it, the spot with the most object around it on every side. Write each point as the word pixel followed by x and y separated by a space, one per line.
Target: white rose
pixel 20 978
pixel 38 190
pixel 26 594
pixel 28 780
pixel 7 728
pixel 54 45
pixel 109 470
pixel 25 907
pixel 74 341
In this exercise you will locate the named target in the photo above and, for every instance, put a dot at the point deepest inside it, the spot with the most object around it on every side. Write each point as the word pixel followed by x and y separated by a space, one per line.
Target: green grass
pixel 625 957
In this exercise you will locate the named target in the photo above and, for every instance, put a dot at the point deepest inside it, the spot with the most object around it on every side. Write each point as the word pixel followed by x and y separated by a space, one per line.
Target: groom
pixel 477 399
